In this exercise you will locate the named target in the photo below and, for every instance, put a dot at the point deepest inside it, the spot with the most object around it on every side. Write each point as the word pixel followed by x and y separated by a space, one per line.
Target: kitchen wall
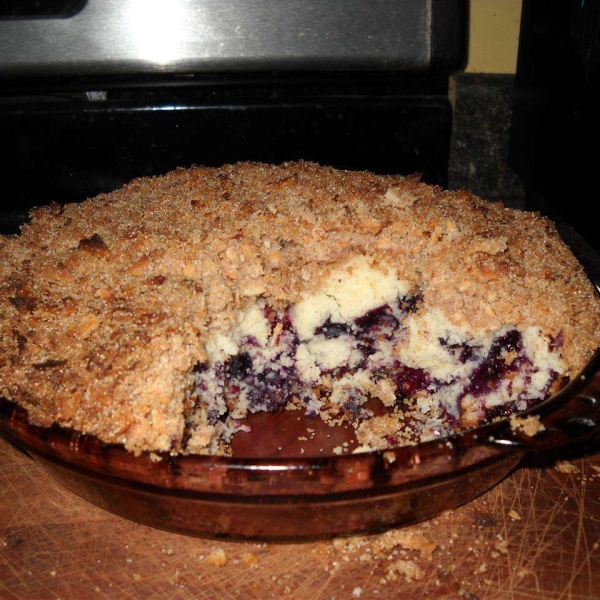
pixel 494 36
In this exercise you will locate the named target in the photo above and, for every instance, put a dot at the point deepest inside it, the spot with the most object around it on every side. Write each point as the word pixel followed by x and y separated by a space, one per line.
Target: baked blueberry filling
pixel 495 366
pixel 333 330
pixel 333 352
pixel 409 381
pixel 281 370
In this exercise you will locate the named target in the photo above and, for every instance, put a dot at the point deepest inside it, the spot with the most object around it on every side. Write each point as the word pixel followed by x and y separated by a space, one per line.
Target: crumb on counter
pixel 249 559
pixel 404 567
pixel 563 466
pixel 217 558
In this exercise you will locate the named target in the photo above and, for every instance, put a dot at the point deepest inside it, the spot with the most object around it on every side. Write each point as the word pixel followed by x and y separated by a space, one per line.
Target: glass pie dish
pixel 284 485
pixel 287 498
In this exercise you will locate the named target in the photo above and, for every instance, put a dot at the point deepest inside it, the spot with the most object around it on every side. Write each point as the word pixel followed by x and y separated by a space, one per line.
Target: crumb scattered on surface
pixel 524 572
pixel 389 456
pixel 378 545
pixel 404 567
pixel 217 558
pixel 530 425
pixel 154 457
pixel 396 552
pixel 249 559
pixel 563 466
pixel 501 545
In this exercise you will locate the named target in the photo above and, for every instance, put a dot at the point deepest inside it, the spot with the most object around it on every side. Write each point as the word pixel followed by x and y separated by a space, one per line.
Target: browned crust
pixel 104 305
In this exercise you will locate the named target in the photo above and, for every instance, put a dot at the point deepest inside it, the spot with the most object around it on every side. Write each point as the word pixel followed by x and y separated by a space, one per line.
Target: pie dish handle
pixel 570 416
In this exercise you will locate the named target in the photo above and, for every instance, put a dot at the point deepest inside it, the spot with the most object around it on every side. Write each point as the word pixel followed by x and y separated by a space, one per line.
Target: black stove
pixel 556 123
pixel 94 93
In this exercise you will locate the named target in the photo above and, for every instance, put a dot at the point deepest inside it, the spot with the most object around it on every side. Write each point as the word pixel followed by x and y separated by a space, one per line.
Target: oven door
pixel 94 93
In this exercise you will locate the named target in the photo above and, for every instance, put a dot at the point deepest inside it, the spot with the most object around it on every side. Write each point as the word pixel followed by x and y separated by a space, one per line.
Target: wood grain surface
pixel 536 535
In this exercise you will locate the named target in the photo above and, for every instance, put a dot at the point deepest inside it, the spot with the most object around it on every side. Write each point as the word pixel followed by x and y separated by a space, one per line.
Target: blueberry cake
pixel 160 315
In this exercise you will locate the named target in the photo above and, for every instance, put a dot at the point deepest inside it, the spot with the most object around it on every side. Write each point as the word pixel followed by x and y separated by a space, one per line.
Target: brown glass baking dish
pixel 278 488
pixel 283 498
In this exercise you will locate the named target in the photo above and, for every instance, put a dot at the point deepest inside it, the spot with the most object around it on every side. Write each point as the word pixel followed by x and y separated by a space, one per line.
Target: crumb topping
pixel 108 307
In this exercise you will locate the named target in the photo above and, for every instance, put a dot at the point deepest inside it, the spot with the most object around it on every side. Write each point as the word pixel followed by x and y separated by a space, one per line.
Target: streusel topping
pixel 108 307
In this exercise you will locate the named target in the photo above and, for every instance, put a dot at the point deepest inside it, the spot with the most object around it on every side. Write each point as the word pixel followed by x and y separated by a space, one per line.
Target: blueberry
pixel 409 381
pixel 556 342
pixel 464 352
pixel 493 368
pixel 333 330
pixel 377 319
pixel 354 411
pixel 214 416
pixel 240 366
pixel 409 304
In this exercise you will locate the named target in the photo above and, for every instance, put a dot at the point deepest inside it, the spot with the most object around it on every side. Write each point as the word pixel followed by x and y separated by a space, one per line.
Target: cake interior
pixel 364 336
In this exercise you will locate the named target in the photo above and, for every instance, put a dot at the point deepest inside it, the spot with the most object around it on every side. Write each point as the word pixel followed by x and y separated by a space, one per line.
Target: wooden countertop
pixel 536 535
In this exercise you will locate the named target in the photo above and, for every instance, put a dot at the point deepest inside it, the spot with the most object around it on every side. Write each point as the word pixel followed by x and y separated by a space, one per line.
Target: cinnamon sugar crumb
pixel 502 546
pixel 249 559
pixel 563 466
pixel 217 558
pixel 397 551
pixel 529 425
pixel 389 456
pixel 404 567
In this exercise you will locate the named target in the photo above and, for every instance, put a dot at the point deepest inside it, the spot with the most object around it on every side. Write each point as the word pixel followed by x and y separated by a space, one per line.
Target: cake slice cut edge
pixel 364 335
